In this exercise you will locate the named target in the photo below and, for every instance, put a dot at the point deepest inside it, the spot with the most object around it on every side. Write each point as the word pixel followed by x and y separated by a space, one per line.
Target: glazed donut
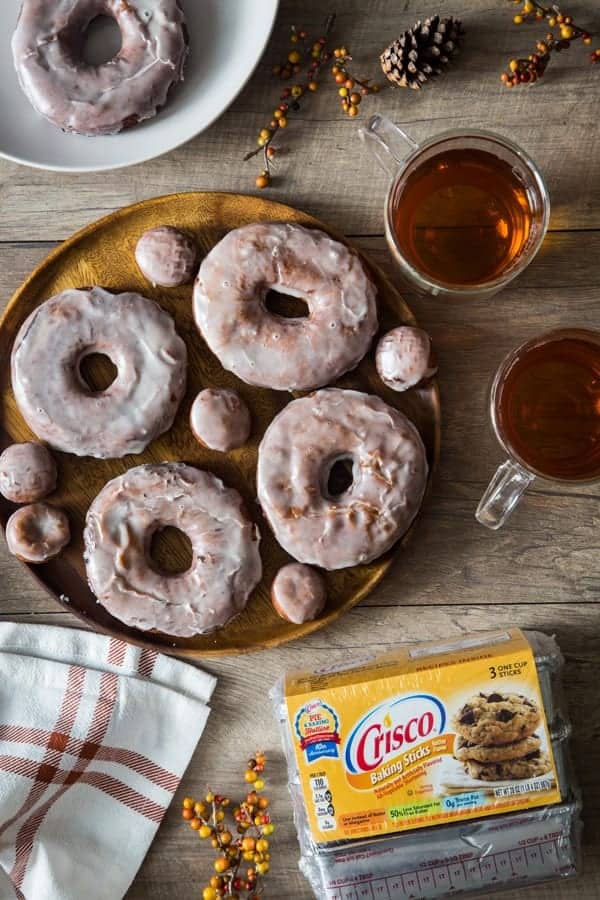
pixel 298 593
pixel 27 473
pixel 296 457
pixel 104 99
pixel 269 350
pixel 404 358
pixel 226 563
pixel 37 533
pixel 220 419
pixel 140 339
pixel 167 256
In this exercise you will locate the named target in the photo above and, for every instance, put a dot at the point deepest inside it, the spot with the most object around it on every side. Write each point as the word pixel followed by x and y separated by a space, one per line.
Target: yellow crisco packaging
pixel 436 770
pixel 428 735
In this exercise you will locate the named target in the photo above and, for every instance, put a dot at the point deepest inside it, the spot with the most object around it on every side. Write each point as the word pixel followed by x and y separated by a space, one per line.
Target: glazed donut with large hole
pixel 332 519
pixel 62 409
pixel 120 525
pixel 99 99
pixel 271 350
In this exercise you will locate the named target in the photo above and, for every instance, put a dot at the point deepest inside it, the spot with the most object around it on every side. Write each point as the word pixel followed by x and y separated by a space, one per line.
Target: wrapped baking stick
pixel 437 769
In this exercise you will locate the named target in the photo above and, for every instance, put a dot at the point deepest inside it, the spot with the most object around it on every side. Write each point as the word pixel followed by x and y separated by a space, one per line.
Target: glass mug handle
pixel 387 143
pixel 503 494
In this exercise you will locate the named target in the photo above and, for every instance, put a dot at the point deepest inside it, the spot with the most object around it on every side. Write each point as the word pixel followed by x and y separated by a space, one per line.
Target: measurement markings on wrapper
pixel 436 879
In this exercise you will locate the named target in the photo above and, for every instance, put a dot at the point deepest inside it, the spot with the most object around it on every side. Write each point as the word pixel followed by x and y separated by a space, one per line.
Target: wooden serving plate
pixel 103 254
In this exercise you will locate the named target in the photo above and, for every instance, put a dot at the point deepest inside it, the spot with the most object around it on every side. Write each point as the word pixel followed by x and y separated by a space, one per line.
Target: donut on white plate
pixel 101 99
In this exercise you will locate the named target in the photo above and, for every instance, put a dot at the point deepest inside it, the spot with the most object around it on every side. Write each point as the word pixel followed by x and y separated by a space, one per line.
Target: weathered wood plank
pixel 327 172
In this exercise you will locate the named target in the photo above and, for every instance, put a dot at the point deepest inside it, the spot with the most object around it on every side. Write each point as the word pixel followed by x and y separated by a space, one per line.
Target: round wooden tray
pixel 103 254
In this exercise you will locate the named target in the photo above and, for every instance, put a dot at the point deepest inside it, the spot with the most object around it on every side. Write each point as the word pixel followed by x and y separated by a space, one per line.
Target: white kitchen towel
pixel 95 735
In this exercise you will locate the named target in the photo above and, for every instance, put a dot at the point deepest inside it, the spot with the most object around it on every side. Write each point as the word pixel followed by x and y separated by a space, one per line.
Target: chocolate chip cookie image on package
pixel 467 750
pixel 530 766
pixel 492 719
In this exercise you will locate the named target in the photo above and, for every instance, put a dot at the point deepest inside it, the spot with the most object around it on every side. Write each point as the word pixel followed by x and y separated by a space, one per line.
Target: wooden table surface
pixel 543 569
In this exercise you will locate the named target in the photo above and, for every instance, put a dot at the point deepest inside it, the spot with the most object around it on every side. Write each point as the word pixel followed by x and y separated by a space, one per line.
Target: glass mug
pixel 466 210
pixel 545 411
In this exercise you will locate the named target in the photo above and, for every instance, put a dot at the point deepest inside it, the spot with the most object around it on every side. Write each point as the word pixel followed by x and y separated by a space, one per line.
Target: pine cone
pixel 422 51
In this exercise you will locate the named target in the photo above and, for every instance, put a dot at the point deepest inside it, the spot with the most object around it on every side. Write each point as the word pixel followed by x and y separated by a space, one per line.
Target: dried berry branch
pixel 351 97
pixel 253 826
pixel 311 57
pixel 530 69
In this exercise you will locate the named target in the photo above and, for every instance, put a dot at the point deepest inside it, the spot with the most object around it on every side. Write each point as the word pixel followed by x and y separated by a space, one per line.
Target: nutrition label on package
pixel 323 803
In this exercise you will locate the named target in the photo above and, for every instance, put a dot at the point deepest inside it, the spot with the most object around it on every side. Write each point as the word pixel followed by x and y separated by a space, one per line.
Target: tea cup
pixel 442 241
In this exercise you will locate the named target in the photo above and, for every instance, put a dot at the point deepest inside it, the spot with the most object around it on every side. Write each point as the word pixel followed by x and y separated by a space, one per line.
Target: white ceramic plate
pixel 227 39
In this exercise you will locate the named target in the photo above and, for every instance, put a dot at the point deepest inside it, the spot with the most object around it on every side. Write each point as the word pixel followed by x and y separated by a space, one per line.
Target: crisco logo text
pixel 392 727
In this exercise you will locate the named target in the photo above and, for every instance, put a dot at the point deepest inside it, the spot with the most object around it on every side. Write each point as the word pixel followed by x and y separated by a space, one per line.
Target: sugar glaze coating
pixel 404 358
pixel 140 339
pixel 37 533
pixel 298 593
pixel 220 419
pixel 27 473
pixel 296 456
pixel 273 351
pixel 96 100
pixel 226 563
pixel 167 256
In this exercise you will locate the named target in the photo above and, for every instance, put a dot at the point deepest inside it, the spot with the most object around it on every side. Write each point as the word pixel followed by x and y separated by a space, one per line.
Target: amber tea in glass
pixel 547 407
pixel 466 211
pixel 463 217
pixel 545 411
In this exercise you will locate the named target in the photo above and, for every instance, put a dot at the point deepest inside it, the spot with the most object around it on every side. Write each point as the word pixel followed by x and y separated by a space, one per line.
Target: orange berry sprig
pixel 350 88
pixel 531 69
pixel 243 858
pixel 313 57
pixel 308 57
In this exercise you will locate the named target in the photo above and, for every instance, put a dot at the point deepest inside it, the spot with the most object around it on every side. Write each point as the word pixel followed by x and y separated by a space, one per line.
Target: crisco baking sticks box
pixel 423 736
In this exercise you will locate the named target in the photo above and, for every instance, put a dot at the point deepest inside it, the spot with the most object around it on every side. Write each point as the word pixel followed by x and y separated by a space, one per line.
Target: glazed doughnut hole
pixel 298 593
pixel 27 472
pixel 167 256
pixel 220 420
pixel 404 358
pixel 37 533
